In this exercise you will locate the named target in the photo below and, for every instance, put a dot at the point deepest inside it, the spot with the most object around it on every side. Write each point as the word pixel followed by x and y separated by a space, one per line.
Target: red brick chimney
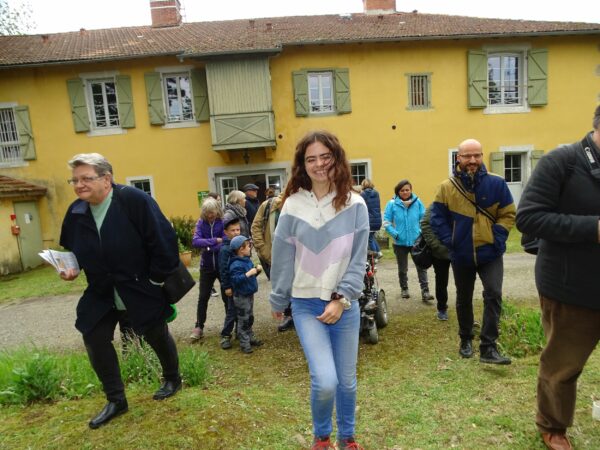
pixel 379 6
pixel 165 13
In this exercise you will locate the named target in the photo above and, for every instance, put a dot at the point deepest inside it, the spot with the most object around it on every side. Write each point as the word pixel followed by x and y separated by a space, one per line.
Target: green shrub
pixel 194 367
pixel 184 229
pixel 521 331
pixel 35 379
pixel 139 363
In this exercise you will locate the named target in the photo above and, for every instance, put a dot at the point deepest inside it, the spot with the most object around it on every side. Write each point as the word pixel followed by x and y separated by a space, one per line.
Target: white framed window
pixel 360 170
pixel 179 104
pixel 419 91
pixel 143 183
pixel 320 92
pixel 10 150
pixel 513 170
pixel 452 158
pixel 274 182
pixel 102 103
pixel 505 79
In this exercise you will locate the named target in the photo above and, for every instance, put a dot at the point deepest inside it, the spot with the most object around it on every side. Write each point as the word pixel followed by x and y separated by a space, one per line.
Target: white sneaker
pixel 197 334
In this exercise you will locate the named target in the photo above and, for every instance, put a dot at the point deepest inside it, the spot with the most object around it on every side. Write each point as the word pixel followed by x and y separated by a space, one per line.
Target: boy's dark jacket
pixel 225 255
pixel 242 285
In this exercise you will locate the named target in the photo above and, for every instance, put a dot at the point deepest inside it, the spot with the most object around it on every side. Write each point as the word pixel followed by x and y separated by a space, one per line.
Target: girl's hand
pixel 333 312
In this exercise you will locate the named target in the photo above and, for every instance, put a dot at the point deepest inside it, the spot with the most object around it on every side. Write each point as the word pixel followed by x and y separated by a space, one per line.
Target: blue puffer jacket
pixel 371 197
pixel 471 237
pixel 205 238
pixel 242 285
pixel 402 223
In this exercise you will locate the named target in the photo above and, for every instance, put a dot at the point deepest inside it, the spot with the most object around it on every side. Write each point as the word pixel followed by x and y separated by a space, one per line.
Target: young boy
pixel 231 228
pixel 243 278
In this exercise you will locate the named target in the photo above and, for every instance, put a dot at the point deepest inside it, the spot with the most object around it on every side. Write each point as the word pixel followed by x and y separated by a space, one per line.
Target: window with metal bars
pixel 418 91
pixel 10 150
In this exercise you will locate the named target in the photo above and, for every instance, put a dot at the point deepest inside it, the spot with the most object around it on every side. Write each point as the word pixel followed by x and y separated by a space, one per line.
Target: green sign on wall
pixel 201 196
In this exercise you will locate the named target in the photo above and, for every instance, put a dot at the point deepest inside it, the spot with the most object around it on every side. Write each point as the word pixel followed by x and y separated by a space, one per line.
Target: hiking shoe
pixel 225 342
pixel 255 342
pixel 491 356
pixel 322 443
pixel 246 349
pixel 426 296
pixel 349 443
pixel 404 293
pixel 197 334
pixel 286 324
pixel 442 315
pixel 466 348
pixel 167 389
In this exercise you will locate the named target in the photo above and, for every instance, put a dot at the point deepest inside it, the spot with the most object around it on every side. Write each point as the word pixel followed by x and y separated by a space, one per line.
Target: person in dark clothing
pixel 236 207
pixel 560 206
pixel 126 247
pixel 371 198
pixel 252 202
pixel 208 237
pixel 243 279
pixel 472 214
pixel 232 229
pixel 441 265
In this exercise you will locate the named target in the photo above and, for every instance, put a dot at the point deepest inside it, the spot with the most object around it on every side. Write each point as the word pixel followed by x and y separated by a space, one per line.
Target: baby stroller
pixel 373 307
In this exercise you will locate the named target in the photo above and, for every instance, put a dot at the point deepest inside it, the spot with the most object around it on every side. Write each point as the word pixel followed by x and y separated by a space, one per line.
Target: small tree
pixel 15 18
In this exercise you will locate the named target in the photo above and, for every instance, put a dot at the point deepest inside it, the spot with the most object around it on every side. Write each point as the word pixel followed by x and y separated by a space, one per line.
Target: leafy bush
pixel 184 229
pixel 34 379
pixel 521 330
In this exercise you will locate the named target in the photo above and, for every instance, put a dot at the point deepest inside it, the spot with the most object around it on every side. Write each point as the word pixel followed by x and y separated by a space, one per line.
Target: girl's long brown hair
pixel 339 170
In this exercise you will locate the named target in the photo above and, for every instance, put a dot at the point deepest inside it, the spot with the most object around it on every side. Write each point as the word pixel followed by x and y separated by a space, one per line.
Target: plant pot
pixel 186 258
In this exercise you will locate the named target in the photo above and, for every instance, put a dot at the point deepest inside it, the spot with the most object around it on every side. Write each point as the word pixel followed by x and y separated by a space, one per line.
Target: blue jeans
pixel 331 352
pixel 373 244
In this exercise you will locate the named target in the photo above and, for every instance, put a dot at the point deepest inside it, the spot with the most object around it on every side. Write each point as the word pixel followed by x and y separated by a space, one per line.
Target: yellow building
pixel 184 108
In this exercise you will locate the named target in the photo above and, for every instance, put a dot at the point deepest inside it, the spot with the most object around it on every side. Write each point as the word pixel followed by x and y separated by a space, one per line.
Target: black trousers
pixel 441 268
pixel 491 275
pixel 105 362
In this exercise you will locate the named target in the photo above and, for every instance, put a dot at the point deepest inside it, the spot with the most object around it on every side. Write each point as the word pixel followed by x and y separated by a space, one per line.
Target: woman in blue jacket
pixel 401 220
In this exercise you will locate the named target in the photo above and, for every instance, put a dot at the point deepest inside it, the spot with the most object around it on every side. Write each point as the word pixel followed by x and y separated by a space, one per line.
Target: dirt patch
pixel 49 321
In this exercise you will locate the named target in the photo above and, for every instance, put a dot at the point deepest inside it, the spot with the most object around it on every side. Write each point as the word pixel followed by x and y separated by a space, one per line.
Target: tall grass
pixel 521 330
pixel 40 375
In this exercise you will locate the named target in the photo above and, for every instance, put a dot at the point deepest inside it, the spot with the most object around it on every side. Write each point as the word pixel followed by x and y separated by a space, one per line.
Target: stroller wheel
pixel 372 336
pixel 381 314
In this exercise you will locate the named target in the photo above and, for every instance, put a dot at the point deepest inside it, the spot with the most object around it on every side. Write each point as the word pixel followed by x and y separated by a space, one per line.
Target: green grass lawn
pixel 414 393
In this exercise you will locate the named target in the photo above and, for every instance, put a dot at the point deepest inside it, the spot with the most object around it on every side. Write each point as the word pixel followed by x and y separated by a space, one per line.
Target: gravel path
pixel 48 321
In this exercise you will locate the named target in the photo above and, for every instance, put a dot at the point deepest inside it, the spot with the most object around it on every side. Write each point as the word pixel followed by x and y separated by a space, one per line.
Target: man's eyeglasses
pixel 471 155
pixel 84 180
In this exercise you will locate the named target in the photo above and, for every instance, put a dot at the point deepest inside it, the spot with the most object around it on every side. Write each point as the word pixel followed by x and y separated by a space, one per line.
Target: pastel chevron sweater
pixel 317 251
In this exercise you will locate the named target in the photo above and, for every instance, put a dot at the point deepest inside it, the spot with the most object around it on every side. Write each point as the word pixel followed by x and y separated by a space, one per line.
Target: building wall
pixel 179 159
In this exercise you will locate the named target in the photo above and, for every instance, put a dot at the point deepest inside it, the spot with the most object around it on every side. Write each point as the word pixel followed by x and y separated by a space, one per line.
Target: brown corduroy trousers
pixel 572 333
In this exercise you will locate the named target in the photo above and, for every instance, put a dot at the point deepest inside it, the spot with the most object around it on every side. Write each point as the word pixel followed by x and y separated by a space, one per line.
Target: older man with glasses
pixel 127 248
pixel 472 214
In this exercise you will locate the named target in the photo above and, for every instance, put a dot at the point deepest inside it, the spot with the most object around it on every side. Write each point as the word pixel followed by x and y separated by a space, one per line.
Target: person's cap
pixel 229 219
pixel 237 242
pixel 249 187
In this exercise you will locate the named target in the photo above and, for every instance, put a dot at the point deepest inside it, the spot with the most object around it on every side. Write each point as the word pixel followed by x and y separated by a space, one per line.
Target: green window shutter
pixel 537 77
pixel 536 155
pixel 125 97
pixel 79 111
pixel 342 91
pixel 478 78
pixel 200 91
pixel 26 143
pixel 300 80
pixel 154 95
pixel 497 163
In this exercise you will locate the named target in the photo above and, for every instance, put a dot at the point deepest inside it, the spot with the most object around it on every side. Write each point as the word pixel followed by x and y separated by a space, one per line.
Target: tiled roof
pixel 267 34
pixel 11 187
